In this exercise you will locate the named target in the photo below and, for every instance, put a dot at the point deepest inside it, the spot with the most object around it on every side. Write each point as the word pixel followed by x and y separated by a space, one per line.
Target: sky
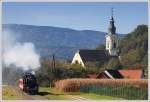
pixel 79 16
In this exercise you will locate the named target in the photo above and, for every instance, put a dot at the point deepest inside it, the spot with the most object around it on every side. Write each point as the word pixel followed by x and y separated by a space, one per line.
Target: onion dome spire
pixel 112 28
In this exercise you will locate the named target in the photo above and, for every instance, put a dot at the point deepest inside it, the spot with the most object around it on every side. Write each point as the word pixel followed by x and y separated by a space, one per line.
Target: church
pixel 85 57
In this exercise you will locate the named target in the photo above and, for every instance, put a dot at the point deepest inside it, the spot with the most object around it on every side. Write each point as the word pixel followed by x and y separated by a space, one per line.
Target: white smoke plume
pixel 22 55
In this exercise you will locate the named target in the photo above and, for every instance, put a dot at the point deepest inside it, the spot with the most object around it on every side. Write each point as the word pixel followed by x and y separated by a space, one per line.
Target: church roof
pixel 94 55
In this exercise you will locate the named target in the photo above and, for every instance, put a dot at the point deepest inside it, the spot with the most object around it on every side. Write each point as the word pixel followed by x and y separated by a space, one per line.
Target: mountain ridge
pixel 51 27
pixel 64 42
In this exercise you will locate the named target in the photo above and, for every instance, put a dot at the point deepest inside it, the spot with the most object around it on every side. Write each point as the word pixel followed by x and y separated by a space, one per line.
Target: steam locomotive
pixel 28 83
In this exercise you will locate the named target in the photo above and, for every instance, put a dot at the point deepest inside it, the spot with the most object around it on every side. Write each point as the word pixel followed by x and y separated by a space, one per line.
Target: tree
pixel 101 47
pixel 114 63
pixel 134 47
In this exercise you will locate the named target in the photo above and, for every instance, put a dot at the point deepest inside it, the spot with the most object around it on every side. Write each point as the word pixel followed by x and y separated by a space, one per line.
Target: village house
pixel 83 57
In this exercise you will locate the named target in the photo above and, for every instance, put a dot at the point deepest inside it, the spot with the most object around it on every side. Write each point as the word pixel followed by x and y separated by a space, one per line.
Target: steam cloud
pixel 22 55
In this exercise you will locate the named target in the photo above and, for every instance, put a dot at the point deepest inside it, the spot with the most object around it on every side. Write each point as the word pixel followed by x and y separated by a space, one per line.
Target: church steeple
pixel 112 28
pixel 111 37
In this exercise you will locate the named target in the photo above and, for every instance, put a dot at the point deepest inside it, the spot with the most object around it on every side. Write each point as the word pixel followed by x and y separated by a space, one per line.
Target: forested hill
pixel 64 42
pixel 134 47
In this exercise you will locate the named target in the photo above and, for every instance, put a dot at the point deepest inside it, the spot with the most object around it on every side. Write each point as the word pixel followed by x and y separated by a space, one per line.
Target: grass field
pixel 56 94
pixel 9 93
pixel 98 97
pixel 53 94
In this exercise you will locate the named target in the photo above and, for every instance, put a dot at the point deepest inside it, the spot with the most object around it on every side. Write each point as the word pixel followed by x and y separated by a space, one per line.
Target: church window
pixel 108 44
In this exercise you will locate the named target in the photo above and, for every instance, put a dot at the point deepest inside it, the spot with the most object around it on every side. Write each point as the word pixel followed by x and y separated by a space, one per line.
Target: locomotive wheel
pixel 32 92
pixel 24 89
pixel 36 91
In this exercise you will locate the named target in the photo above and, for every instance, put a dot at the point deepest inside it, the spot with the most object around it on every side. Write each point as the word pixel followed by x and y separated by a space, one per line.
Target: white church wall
pixel 110 40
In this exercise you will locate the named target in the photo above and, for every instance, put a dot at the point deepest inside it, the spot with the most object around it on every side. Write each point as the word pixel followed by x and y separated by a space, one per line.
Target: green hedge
pixel 126 92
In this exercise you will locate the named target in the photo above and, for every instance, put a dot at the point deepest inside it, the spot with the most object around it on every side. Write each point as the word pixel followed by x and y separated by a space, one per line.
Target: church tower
pixel 112 38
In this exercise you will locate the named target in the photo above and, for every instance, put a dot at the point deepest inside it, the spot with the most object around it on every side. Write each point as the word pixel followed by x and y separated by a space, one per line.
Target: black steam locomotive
pixel 29 83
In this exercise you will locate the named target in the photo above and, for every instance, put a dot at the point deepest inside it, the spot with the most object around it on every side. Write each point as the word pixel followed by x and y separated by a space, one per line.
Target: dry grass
pixel 72 85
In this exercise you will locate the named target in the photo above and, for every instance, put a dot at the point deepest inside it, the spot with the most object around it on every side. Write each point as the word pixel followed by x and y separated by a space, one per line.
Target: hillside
pixel 63 42
pixel 134 47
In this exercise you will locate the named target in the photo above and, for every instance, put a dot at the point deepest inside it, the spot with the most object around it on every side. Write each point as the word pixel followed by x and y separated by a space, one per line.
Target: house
pixel 119 74
pixel 93 56
pixel 110 74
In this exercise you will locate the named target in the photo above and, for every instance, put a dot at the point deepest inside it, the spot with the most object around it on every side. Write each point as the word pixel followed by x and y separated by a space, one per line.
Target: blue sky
pixel 80 16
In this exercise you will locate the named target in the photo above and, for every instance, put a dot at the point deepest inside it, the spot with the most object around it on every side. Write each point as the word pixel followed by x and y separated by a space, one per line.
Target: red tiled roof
pixel 132 74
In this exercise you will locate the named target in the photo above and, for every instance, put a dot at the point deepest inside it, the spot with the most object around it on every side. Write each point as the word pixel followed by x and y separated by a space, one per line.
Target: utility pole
pixel 53 61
